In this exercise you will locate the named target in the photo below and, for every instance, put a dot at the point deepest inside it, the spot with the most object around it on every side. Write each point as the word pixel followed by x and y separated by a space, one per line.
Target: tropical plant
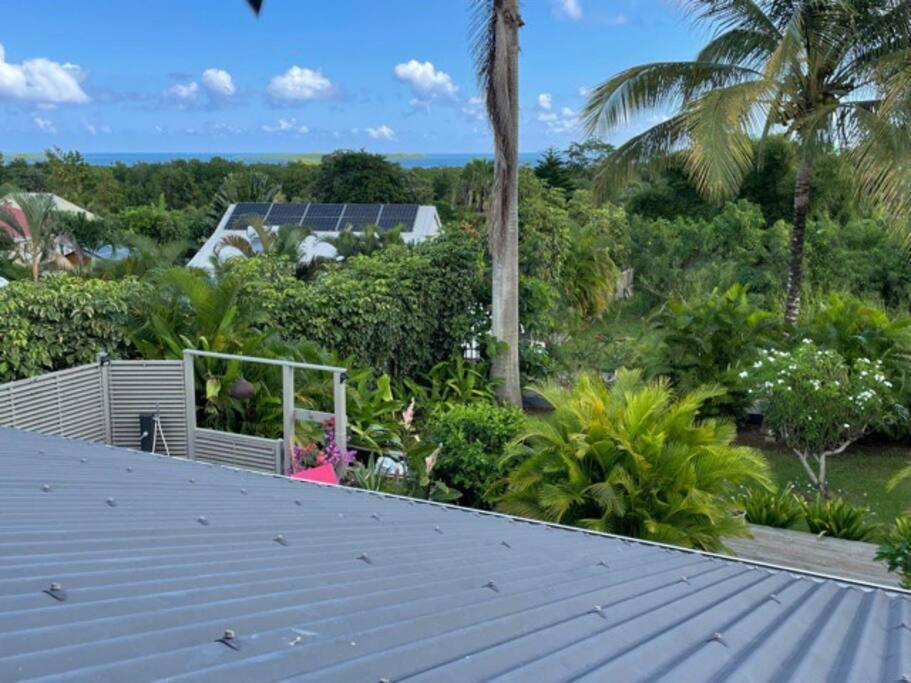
pixel 818 405
pixel 145 256
pixel 242 186
pixel 839 519
pixel 895 550
pixel 366 240
pixel 450 382
pixel 284 242
pixel 589 274
pixel 473 438
pixel 822 71
pixel 633 459
pixel 780 509
pixel 35 231
pixel 496 49
pixel 706 340
pixel 553 170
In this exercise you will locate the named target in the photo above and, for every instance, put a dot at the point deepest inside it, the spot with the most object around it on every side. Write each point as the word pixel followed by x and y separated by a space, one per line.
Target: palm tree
pixel 631 458
pixel 496 48
pixel 284 242
pixel 817 70
pixel 36 231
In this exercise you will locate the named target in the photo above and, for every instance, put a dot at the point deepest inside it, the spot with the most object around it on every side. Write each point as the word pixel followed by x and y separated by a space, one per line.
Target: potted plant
pixel 315 462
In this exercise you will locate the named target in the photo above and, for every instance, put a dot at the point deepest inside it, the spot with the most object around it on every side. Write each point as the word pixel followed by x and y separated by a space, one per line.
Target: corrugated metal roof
pixel 156 558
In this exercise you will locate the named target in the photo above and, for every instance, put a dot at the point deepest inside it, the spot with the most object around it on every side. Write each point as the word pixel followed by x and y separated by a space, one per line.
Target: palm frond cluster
pixel 634 459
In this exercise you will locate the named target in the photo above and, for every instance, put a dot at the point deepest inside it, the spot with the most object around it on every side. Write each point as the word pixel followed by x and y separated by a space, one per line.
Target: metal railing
pixel 290 414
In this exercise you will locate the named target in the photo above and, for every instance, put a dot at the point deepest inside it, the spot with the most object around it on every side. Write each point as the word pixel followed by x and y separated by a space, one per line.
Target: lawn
pixel 858 475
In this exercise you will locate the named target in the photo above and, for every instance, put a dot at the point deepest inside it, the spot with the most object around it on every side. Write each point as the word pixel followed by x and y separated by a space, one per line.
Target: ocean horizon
pixel 407 160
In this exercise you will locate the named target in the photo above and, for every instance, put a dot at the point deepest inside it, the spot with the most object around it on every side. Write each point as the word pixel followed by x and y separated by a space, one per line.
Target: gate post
pixel 287 416
pixel 104 378
pixel 189 386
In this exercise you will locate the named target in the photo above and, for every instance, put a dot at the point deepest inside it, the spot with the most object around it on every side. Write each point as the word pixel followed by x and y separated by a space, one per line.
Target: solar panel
pixel 286 214
pixel 246 209
pixel 398 214
pixel 323 217
pixel 359 215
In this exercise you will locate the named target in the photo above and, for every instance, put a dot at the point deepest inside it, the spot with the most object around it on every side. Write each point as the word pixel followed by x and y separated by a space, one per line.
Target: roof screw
pixel 375 516
pixel 202 520
pixel 774 598
pixel 298 503
pixel 438 529
pixel 363 556
pixel 243 492
pixel 385 680
pixel 905 679
pixel 229 634
pixel 492 586
pixel 41 452
pixel 55 590
pixel 129 469
pixel 904 625
pixel 281 540
pixel 505 544
pixel 192 481
pixel 46 488
pixel 685 580
pixel 717 637
pixel 230 639
pixel 111 502
pixel 83 460
pixel 599 610
pixel 602 563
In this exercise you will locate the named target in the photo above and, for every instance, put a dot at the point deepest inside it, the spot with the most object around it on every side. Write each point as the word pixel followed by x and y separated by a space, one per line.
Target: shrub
pixel 895 550
pixel 705 341
pixel 818 405
pixel 61 321
pixel 779 509
pixel 634 459
pixel 399 311
pixel 839 519
pixel 474 437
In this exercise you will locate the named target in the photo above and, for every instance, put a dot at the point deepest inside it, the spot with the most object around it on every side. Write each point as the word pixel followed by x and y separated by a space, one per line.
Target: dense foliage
pixel 59 322
pixel 473 437
pixel 780 509
pixel 634 459
pixel 895 550
pixel 839 519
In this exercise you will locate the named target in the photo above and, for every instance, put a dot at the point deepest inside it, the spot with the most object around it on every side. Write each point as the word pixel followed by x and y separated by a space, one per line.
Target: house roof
pixel 172 568
pixel 61 204
pixel 18 214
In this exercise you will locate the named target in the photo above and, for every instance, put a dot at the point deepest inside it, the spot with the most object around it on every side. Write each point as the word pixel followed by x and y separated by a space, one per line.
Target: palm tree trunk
pixel 36 267
pixel 503 103
pixel 795 265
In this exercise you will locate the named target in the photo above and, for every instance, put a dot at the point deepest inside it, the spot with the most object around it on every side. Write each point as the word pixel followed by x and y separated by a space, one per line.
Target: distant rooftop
pixel 417 223
pixel 128 566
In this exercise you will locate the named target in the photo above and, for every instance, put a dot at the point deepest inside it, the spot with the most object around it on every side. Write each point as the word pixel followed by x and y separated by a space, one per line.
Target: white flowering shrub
pixel 817 404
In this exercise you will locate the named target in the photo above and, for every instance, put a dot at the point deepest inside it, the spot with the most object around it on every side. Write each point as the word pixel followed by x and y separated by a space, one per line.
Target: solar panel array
pixel 327 217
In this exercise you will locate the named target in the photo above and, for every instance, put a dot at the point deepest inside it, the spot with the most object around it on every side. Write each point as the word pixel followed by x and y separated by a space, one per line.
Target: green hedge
pixel 399 311
pixel 63 321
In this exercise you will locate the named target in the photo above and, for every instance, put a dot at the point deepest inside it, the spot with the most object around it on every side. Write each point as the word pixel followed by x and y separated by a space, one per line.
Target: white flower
pixel 743 374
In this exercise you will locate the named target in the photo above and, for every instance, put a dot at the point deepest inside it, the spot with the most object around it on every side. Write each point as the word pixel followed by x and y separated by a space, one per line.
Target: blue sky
pixel 388 76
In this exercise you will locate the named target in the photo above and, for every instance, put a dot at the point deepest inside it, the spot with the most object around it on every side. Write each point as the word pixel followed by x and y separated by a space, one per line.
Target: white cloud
pixel 286 126
pixel 563 121
pixel 45 125
pixel 568 9
pixel 300 84
pixel 218 82
pixel 427 83
pixel 184 93
pixel 585 92
pixel 474 108
pixel 383 132
pixel 41 80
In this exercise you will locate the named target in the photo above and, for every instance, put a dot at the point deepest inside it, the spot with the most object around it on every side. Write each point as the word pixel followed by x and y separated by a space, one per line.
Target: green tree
pixel 347 176
pixel 284 242
pixel 632 459
pixel 242 186
pixel 817 69
pixel 36 231
pixel 554 171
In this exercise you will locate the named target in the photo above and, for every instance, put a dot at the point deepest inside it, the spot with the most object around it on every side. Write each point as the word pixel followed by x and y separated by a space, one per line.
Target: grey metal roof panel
pixel 158 557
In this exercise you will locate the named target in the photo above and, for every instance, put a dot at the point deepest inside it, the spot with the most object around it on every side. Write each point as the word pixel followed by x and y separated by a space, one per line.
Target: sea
pixel 406 160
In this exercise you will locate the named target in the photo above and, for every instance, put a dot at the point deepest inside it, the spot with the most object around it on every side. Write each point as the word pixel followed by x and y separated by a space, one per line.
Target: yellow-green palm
pixel 631 458
pixel 823 72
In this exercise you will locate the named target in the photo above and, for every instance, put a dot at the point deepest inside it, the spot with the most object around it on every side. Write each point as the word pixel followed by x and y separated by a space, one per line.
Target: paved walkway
pixel 802 550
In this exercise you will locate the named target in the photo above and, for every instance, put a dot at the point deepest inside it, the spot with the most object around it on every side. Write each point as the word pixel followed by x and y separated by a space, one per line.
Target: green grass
pixel 858 475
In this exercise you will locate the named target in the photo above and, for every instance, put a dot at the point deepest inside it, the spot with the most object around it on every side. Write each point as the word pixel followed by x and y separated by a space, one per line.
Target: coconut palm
pixel 816 70
pixel 284 242
pixel 633 459
pixel 496 48
pixel 36 231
